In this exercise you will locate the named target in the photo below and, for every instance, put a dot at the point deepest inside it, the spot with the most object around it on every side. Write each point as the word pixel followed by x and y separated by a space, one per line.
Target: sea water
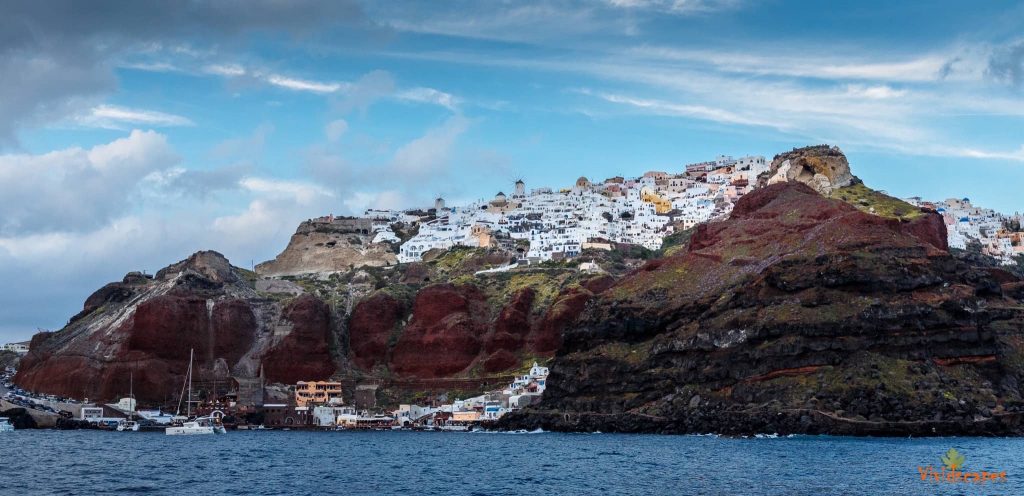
pixel 426 463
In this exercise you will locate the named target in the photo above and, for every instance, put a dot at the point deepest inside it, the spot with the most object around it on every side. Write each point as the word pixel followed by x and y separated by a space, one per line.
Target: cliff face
pixel 427 321
pixel 145 327
pixel 338 246
pixel 797 314
pixel 462 330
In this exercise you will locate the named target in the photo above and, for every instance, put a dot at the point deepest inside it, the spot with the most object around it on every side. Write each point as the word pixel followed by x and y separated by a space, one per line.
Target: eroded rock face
pixel 797 314
pixel 374 320
pixel 145 327
pixel 318 247
pixel 822 167
pixel 304 354
pixel 443 337
pixel 449 330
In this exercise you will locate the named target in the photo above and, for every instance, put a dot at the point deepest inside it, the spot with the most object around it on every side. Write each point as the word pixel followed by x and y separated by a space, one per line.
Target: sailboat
pixel 129 424
pixel 198 426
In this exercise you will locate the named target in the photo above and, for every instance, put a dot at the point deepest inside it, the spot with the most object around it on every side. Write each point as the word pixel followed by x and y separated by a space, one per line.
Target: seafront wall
pixel 43 420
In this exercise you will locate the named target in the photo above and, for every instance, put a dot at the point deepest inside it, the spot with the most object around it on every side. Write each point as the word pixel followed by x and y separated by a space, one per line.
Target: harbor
pixel 307 405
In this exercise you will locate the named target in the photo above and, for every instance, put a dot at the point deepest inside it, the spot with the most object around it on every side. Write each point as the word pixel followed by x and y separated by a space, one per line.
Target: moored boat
pixel 5 425
pixel 198 426
pixel 127 426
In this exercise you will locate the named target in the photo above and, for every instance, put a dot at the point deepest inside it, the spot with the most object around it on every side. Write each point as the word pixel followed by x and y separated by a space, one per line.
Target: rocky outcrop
pixel 323 247
pixel 798 314
pixel 146 327
pixel 824 168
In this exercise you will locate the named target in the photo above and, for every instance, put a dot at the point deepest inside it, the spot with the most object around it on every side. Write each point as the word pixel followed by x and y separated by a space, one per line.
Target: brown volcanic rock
pixel 546 336
pixel 797 314
pixel 304 354
pixel 513 324
pixel 168 327
pixel 145 327
pixel 373 321
pixel 234 329
pixel 929 228
pixel 443 337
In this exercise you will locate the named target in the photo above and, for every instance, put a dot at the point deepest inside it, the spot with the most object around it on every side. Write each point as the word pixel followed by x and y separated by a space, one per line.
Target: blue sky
pixel 132 135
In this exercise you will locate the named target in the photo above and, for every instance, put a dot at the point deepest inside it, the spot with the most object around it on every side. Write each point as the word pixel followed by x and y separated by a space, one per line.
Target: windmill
pixel 519 187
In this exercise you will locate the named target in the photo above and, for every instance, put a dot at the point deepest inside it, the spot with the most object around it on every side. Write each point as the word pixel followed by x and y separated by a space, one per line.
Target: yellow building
pixel 661 204
pixel 470 416
pixel 317 393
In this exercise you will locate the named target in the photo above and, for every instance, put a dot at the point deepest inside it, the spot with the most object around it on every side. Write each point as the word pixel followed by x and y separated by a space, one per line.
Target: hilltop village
pixel 545 224
pixel 994 234
pixel 439 312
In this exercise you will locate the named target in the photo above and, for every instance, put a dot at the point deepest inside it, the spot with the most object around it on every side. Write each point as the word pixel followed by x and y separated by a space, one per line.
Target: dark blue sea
pixel 44 462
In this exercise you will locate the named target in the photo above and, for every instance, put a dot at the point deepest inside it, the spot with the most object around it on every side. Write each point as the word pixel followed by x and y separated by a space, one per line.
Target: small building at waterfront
pixel 317 393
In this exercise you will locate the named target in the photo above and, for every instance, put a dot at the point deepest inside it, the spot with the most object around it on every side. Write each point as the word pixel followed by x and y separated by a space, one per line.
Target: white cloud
pixel 682 7
pixel 296 84
pixel 226 70
pixel 366 90
pixel 878 92
pixel 335 129
pixel 390 199
pixel 800 63
pixel 300 191
pixel 431 96
pixel 683 110
pixel 77 189
pixel 116 117
pixel 248 148
pixel 429 154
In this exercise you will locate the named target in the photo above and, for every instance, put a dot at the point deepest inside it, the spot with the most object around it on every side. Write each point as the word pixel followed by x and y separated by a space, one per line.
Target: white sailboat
pixel 198 426
pixel 129 424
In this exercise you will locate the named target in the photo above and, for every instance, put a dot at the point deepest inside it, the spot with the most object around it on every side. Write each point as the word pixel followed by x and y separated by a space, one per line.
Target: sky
pixel 134 134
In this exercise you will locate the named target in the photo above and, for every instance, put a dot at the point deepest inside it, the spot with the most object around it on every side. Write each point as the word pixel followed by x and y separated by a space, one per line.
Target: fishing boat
pixel 5 425
pixel 198 426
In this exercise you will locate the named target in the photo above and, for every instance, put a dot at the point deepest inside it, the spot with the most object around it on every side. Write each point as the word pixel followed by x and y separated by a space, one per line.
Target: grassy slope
pixel 875 202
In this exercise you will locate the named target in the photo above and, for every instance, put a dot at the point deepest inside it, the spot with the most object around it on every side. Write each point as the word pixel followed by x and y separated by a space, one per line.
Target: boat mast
pixel 131 394
pixel 188 407
pixel 186 384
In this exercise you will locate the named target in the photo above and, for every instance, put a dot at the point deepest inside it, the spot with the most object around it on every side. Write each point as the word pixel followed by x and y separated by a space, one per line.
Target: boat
pixel 198 426
pixel 5 425
pixel 129 424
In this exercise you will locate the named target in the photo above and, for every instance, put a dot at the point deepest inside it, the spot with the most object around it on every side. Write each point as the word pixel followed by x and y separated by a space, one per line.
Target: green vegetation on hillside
pixel 875 202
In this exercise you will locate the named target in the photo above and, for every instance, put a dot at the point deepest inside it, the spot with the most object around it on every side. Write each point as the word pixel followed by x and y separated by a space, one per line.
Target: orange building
pixel 317 393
